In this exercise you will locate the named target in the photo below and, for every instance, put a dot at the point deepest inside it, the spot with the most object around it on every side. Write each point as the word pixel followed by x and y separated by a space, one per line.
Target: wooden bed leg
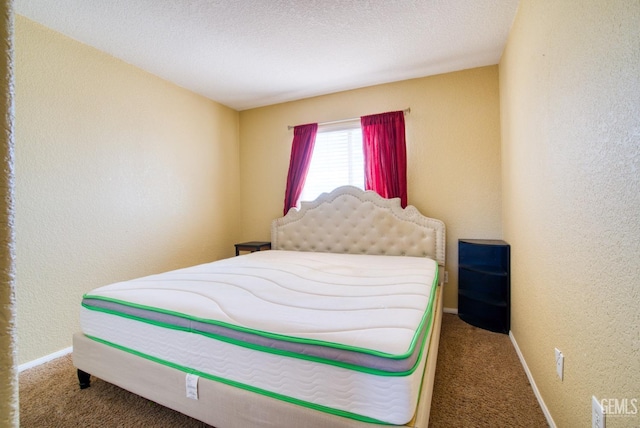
pixel 84 378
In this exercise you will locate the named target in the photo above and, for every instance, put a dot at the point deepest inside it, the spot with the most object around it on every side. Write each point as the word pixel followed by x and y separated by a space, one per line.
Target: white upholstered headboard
pixel 350 220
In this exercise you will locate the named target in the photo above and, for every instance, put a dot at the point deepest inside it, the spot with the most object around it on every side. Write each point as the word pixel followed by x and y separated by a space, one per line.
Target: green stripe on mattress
pixel 426 318
pixel 286 353
pixel 325 409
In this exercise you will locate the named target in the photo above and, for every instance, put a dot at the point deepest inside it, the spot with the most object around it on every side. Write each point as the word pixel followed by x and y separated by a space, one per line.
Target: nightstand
pixel 484 295
pixel 252 246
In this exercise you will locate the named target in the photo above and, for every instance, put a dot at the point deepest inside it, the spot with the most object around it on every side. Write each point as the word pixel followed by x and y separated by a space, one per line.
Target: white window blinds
pixel 337 160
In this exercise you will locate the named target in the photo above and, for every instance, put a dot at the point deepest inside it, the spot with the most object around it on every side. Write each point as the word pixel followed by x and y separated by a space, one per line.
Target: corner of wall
pixel 8 357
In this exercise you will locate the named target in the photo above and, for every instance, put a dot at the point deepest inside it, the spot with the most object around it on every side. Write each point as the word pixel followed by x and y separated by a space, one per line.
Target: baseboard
pixel 45 359
pixel 543 406
pixel 450 310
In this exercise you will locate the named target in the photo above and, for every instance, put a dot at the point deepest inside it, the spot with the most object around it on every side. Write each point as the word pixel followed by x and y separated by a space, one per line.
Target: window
pixel 337 160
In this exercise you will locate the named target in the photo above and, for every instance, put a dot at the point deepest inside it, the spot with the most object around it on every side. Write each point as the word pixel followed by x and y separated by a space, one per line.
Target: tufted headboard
pixel 351 220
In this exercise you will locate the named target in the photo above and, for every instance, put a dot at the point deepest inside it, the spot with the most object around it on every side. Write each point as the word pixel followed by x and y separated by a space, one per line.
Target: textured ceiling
pixel 251 53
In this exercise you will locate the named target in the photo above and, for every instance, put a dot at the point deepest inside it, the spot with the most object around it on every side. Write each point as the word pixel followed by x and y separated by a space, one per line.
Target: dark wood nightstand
pixel 252 246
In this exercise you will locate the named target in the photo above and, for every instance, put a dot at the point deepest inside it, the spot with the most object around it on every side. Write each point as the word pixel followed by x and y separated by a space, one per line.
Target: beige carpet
pixel 479 383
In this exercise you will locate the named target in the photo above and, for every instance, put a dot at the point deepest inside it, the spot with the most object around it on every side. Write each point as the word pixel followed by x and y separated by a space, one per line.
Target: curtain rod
pixel 405 111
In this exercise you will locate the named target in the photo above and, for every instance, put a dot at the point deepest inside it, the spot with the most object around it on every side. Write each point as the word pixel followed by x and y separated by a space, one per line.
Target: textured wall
pixel 8 336
pixel 570 113
pixel 118 174
pixel 453 149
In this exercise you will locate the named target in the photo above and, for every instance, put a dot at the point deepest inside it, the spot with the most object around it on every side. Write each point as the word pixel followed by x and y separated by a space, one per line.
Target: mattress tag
pixel 192 386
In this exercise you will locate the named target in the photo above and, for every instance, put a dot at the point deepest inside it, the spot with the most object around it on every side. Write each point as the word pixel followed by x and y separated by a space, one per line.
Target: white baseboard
pixel 45 359
pixel 543 406
pixel 450 310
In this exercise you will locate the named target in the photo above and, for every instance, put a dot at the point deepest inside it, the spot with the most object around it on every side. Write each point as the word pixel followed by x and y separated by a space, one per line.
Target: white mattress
pixel 339 333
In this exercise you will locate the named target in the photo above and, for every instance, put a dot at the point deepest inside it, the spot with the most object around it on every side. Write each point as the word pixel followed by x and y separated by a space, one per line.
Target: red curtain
pixel 304 138
pixel 385 155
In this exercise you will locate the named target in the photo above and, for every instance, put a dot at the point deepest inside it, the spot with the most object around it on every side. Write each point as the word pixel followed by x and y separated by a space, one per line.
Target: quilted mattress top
pixel 372 305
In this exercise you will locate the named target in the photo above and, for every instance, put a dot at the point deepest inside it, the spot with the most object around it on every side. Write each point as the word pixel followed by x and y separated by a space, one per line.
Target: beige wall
pixel 570 99
pixel 453 149
pixel 8 372
pixel 119 174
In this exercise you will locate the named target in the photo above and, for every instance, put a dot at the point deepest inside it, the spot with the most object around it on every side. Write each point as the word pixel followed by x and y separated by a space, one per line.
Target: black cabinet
pixel 484 283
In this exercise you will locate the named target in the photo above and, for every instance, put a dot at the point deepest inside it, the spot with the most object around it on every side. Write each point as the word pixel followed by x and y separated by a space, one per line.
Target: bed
pixel 337 326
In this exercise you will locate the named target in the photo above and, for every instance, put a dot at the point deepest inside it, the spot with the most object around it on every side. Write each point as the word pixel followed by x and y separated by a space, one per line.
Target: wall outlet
pixel 597 413
pixel 559 363
pixel 446 276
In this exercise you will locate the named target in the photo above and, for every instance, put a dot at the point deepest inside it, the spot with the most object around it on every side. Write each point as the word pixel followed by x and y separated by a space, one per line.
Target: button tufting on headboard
pixel 350 220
